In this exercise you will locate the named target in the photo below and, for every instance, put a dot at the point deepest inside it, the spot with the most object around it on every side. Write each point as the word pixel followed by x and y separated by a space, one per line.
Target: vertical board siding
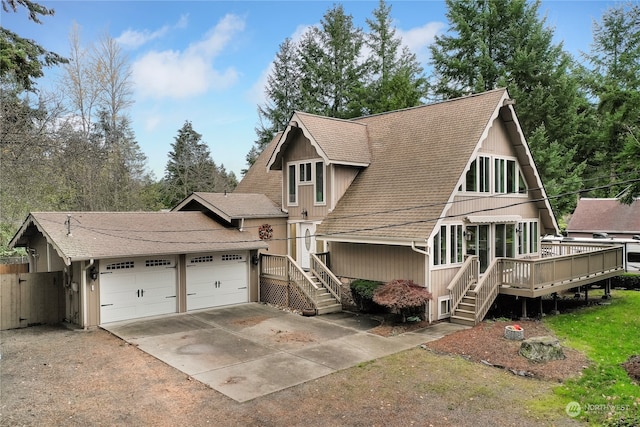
pixel 498 141
pixel 376 262
pixel 440 279
pixel 31 299
pixel 343 176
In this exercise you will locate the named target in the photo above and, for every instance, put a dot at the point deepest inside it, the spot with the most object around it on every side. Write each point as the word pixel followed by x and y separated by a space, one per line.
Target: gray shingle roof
pixel 260 180
pixel 118 234
pixel 230 206
pixel 418 155
pixel 605 215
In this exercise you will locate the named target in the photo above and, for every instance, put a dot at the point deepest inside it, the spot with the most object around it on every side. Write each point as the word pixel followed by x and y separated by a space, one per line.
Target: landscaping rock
pixel 541 349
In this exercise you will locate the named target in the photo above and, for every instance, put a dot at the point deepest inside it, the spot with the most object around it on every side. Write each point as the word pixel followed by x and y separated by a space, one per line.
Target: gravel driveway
pixel 55 376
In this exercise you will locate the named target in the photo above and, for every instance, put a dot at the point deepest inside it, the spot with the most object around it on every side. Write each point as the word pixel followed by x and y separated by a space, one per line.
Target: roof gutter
pixel 427 275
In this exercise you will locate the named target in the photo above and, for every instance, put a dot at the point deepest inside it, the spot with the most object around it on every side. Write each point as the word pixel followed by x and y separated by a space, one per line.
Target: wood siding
pixel 28 299
pixel 497 205
pixel 440 279
pixel 278 243
pixel 497 141
pixel 376 262
pixel 342 176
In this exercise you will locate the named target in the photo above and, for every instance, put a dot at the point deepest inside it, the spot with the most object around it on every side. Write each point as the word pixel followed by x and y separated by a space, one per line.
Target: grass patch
pixel 608 335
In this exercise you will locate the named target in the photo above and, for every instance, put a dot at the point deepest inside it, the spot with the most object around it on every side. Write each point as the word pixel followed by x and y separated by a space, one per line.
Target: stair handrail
pixel 303 281
pixel 487 288
pixel 462 281
pixel 326 277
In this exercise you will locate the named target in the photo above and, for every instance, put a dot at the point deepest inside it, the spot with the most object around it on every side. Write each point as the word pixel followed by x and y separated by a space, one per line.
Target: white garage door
pixel 216 279
pixel 137 287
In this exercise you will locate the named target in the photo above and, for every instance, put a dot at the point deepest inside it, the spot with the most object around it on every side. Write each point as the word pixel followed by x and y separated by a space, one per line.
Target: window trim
pixel 292 184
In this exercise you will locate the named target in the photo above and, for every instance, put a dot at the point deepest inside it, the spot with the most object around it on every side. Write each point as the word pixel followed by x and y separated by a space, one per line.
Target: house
pixel 446 195
pixel 605 218
pixel 126 265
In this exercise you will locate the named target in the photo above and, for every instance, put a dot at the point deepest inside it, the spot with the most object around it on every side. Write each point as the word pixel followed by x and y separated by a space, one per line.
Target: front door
pixel 478 244
pixel 306 244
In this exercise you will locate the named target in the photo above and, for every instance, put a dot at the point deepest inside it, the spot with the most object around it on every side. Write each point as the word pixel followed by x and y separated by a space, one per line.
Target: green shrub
pixel 628 281
pixel 362 294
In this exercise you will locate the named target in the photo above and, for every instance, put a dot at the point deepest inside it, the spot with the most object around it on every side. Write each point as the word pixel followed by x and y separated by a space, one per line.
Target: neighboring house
pixel 604 218
pixel 126 265
pixel 425 193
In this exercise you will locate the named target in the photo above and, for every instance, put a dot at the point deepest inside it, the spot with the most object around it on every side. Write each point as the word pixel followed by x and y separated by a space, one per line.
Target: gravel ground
pixel 56 376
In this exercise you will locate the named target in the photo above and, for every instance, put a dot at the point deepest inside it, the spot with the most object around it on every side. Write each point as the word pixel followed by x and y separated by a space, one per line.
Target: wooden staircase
pixel 325 301
pixel 465 313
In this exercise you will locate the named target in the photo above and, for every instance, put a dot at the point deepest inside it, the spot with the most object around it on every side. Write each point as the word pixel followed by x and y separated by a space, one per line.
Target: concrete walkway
pixel 251 350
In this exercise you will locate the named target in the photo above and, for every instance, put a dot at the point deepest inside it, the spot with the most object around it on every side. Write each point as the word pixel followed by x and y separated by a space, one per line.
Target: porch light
pixel 304 213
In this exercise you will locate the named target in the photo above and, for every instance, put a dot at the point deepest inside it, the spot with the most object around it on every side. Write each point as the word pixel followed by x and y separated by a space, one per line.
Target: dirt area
pixel 486 344
pixel 55 376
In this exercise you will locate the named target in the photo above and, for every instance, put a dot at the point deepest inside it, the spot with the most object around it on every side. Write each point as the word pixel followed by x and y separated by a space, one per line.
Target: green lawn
pixel 608 334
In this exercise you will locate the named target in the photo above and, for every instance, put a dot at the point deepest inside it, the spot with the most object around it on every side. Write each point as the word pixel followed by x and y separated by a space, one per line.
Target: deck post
pixel 524 307
pixel 541 310
pixel 607 289
pixel 555 303
pixel 586 294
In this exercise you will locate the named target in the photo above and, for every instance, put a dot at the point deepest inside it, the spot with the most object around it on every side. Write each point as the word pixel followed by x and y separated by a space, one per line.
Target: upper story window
pixel 306 174
pixel 502 175
pixel 479 175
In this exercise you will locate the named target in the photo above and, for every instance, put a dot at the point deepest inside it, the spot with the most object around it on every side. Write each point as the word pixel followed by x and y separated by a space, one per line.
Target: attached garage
pixel 131 288
pixel 217 279
pixel 127 265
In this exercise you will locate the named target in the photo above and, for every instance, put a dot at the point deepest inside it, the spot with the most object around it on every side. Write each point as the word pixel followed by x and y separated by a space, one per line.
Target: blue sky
pixel 207 61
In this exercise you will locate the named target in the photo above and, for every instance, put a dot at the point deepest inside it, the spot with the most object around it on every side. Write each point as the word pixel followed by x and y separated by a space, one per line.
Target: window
pixel 504 241
pixel 479 175
pixel 305 172
pixel 499 181
pixel 528 237
pixel 447 245
pixel 319 182
pixel 444 307
pixel 293 188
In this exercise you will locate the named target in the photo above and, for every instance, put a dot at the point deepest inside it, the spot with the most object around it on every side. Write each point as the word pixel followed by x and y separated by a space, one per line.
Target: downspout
pixel 83 288
pixel 427 274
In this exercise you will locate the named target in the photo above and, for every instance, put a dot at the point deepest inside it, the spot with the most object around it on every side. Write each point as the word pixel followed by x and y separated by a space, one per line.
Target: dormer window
pixel 309 175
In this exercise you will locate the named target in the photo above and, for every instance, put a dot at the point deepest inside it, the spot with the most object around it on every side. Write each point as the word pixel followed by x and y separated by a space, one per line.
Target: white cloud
pixel 133 39
pixel 418 39
pixel 181 74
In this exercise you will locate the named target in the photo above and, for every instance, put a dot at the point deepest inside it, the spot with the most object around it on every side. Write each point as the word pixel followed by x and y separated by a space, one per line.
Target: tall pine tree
pixel 503 43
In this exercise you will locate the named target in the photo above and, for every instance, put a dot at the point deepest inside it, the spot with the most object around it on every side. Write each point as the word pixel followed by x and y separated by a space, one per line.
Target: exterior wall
pixel 278 243
pixel 440 279
pixel 376 262
pixel 46 259
pixel 342 176
pixel 513 205
pixel 497 141
pixel 254 278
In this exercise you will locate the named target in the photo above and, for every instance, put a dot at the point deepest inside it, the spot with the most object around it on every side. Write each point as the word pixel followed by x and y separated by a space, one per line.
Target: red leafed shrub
pixel 402 296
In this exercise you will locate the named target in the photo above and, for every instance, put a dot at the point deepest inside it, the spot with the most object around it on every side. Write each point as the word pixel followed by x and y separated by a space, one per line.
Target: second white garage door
pixel 216 279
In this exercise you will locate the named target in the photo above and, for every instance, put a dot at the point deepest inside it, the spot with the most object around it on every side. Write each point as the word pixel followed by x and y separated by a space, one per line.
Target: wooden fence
pixel 28 299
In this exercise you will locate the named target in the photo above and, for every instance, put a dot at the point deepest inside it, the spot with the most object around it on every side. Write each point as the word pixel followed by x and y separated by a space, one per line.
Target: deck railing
pixel 536 274
pixel 462 281
pixel 326 276
pixel 487 288
pixel 283 267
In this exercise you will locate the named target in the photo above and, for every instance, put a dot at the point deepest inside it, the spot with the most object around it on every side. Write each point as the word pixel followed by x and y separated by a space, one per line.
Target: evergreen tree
pixel 190 168
pixel 283 95
pixel 503 43
pixel 331 75
pixel 396 77
pixel 613 82
pixel 23 58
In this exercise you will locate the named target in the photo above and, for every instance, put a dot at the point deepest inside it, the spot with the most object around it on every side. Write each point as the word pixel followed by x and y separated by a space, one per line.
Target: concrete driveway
pixel 251 350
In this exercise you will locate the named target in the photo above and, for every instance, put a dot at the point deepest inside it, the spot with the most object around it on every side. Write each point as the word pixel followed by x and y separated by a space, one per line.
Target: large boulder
pixel 541 349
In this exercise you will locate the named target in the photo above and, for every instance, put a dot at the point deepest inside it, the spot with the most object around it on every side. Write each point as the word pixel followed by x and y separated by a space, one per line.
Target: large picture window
pixel 504 173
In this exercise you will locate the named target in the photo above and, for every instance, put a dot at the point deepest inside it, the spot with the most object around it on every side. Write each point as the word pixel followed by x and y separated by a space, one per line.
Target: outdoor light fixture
pixel 304 212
